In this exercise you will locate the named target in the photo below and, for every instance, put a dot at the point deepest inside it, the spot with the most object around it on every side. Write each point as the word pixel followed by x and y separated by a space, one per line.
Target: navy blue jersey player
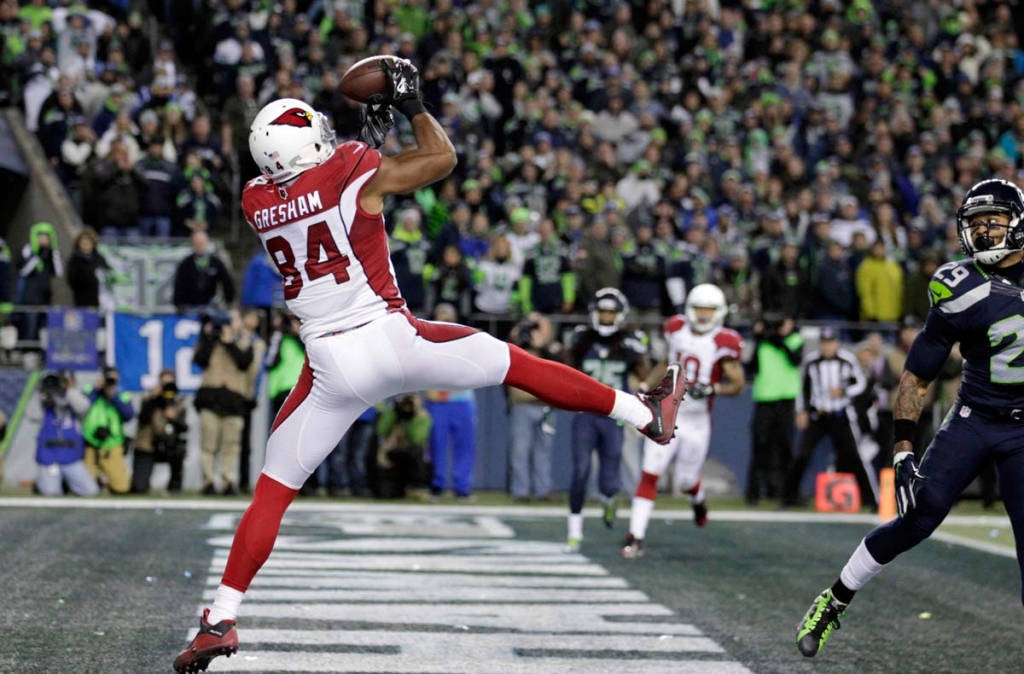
pixel 979 303
pixel 609 353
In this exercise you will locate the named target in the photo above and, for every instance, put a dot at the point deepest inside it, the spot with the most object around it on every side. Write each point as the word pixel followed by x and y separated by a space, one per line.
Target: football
pixel 365 79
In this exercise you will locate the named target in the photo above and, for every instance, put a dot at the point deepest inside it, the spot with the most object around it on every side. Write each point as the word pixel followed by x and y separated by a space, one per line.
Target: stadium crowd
pixel 805 157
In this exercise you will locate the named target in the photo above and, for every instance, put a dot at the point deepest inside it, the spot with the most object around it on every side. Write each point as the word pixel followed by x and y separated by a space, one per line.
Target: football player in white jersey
pixel 709 356
pixel 318 211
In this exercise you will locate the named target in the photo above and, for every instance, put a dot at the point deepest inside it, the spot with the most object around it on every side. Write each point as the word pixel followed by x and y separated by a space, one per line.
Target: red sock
pixel 256 533
pixel 648 487
pixel 557 384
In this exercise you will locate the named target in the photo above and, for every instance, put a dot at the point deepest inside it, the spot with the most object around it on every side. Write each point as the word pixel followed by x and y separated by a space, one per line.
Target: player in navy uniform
pixel 979 303
pixel 608 353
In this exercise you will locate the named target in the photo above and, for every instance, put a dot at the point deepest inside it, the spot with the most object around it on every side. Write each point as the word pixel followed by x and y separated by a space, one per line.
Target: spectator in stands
pixel 597 264
pixel 403 430
pixel 451 282
pixel 200 275
pixel 161 435
pixel 239 111
pixel 643 274
pixel 454 425
pixel 531 422
pixel 261 283
pixel 410 252
pixel 203 141
pixel 124 130
pixel 548 284
pixel 494 280
pixel 784 285
pixel 163 180
pixel 880 286
pixel 103 429
pixel 114 191
pixel 224 353
pixel 916 298
pixel 60 447
pixel 836 295
pixel 56 119
pixel 38 264
pixel 76 153
pixel 88 273
pixel 198 208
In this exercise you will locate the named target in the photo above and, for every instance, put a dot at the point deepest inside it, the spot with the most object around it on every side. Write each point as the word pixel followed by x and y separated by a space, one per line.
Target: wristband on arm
pixel 904 430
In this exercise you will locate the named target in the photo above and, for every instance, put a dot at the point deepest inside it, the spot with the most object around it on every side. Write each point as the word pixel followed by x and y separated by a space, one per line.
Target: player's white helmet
pixel 288 137
pixel 608 299
pixel 991 196
pixel 705 296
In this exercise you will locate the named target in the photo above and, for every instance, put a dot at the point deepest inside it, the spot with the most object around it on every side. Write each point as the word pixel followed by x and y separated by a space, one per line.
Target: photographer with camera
pixel 403 430
pixel 60 447
pixel 103 428
pixel 161 435
pixel 224 352
pixel 775 368
pixel 531 421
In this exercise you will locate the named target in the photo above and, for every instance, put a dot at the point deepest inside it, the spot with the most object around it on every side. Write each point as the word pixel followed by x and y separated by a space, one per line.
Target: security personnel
pixel 830 379
pixel 775 367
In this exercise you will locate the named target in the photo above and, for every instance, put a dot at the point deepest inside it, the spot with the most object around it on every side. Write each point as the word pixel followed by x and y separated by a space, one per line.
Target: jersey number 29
pixel 318 237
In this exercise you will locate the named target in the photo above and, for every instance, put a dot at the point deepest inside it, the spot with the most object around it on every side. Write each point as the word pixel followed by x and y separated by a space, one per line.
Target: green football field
pixel 111 586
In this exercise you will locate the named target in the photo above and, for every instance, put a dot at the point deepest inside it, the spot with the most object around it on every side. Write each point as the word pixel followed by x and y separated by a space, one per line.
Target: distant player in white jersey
pixel 317 209
pixel 709 356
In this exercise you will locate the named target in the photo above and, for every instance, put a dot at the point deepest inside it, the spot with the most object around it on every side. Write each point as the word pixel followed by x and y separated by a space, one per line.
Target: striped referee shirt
pixel 819 375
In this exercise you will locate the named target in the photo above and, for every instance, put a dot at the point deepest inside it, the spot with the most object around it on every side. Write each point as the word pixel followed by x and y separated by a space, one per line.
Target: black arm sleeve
pixel 242 357
pixel 931 347
pixel 201 356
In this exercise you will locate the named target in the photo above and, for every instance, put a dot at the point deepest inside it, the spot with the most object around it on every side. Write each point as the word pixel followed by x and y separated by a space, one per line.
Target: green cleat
pixel 611 508
pixel 817 625
pixel 572 545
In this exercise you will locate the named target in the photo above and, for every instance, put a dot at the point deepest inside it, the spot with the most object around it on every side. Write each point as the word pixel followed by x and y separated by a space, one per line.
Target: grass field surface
pixel 112 586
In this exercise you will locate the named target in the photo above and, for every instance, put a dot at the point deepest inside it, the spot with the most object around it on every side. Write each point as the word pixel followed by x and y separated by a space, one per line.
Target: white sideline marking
pixel 513 512
pixel 441 593
pixel 276 661
pixel 318 578
pixel 982 546
pixel 477 643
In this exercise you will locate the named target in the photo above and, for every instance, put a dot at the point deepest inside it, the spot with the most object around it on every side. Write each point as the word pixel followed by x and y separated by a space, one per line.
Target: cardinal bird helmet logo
pixel 295 117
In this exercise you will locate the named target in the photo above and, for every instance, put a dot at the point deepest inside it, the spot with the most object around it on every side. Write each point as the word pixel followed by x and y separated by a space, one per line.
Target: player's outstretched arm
pixel 733 379
pixel 407 172
pixel 434 157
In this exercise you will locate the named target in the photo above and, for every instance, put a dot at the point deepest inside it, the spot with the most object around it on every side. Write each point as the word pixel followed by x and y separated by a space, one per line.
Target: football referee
pixel 830 378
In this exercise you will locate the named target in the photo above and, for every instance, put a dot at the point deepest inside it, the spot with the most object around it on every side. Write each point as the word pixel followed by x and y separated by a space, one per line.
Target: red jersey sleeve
pixel 673 324
pixel 728 345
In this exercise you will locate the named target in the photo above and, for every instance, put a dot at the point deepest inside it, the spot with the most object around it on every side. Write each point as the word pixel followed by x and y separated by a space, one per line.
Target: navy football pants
pixel 590 432
pixel 959 451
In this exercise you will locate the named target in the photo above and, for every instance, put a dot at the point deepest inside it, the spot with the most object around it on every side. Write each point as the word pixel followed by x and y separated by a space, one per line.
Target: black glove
pixel 698 391
pixel 908 480
pixel 404 79
pixel 377 121
pixel 102 433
